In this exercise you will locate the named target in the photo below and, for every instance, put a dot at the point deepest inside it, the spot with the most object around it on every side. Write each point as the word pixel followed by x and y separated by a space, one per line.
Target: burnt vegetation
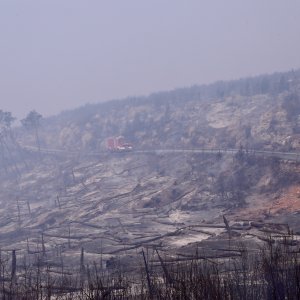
pixel 270 272
pixel 84 223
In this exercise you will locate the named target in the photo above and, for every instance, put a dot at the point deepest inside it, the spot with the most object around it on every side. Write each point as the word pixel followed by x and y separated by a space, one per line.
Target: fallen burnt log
pixel 130 169
pixel 87 224
pixel 146 242
pixel 203 231
pixel 103 201
pixel 275 226
pixel 205 225
pixel 234 227
pixel 67 237
pixel 230 250
pixel 271 231
pixel 264 239
pixel 200 257
pixel 169 223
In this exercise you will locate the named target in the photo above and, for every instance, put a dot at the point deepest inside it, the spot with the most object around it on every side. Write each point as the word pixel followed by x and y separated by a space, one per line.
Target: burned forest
pixel 188 194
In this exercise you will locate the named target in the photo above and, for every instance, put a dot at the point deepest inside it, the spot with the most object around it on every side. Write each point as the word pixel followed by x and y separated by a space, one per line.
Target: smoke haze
pixel 57 55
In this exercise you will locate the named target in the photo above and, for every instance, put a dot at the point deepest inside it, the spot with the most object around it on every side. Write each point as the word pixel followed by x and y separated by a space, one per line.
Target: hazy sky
pixel 60 54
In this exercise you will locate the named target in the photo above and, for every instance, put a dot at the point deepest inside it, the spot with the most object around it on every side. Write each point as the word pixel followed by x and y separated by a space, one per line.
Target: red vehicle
pixel 118 144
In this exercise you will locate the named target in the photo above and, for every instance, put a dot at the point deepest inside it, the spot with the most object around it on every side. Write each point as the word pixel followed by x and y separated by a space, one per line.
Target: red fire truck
pixel 118 144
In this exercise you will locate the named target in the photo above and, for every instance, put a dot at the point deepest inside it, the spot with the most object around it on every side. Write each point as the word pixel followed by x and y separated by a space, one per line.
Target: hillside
pixel 260 112
pixel 114 203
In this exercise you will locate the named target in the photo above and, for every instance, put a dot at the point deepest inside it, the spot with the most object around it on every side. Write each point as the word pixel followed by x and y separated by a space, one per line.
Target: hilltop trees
pixel 11 152
pixel 6 119
pixel 32 122
pixel 6 134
